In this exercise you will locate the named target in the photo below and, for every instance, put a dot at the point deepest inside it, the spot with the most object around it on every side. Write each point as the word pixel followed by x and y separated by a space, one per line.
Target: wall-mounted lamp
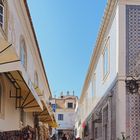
pixel 132 85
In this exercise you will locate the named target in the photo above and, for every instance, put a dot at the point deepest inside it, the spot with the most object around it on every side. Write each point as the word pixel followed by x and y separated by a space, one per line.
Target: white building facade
pixel 24 88
pixel 110 98
pixel 65 114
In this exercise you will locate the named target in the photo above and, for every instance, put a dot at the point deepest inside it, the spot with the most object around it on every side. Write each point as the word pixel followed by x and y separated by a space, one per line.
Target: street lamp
pixel 132 85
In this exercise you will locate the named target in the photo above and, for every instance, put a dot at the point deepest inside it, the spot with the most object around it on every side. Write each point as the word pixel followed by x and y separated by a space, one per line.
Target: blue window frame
pixel 54 107
pixel 60 117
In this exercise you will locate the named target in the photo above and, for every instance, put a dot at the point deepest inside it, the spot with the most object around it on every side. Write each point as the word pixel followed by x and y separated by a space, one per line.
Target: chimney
pixel 73 92
pixel 61 94
pixel 68 93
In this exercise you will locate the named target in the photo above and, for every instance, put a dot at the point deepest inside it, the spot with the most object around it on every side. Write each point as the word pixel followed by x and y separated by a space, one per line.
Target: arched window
pixel 4 15
pixel 1 14
pixel 23 53
pixel 36 79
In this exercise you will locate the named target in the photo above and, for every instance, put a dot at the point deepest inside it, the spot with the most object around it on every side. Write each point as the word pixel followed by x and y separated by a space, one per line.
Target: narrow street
pixel 70 70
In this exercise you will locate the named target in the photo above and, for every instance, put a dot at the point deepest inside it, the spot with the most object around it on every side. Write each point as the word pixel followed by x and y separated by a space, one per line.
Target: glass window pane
pixel 1 9
pixel 23 55
pixel 60 116
pixel 70 105
pixel 105 61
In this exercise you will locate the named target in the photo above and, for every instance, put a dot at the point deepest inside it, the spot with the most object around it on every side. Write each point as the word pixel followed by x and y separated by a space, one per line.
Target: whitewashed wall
pixel 69 120
pixel 100 85
pixel 10 120
pixel 19 25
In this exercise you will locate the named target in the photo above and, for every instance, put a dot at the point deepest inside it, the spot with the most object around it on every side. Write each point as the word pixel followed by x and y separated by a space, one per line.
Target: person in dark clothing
pixel 64 137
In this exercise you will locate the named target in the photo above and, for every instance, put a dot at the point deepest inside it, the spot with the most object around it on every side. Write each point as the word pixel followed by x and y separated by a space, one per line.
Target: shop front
pixel 19 99
pixel 47 121
pixel 24 134
pixel 88 127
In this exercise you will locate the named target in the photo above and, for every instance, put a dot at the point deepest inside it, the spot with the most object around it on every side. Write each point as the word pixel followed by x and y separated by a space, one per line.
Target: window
pixel 70 105
pixel 106 59
pixel 93 86
pixel 36 79
pixel 4 16
pixel 60 117
pixel 1 14
pixel 105 122
pixel 23 54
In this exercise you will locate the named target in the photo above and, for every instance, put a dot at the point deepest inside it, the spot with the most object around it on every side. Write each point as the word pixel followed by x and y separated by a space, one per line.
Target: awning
pixel 47 116
pixel 83 124
pixel 5 50
pixel 25 95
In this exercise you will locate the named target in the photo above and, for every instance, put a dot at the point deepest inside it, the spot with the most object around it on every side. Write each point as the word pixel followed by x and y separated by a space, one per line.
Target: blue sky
pixel 66 31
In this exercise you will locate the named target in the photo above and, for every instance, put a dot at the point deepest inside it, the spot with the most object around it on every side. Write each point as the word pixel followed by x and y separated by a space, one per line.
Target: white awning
pixel 7 52
pixel 10 65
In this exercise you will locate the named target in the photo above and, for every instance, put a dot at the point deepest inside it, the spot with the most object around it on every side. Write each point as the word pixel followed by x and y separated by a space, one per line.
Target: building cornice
pixel 33 31
pixel 105 22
